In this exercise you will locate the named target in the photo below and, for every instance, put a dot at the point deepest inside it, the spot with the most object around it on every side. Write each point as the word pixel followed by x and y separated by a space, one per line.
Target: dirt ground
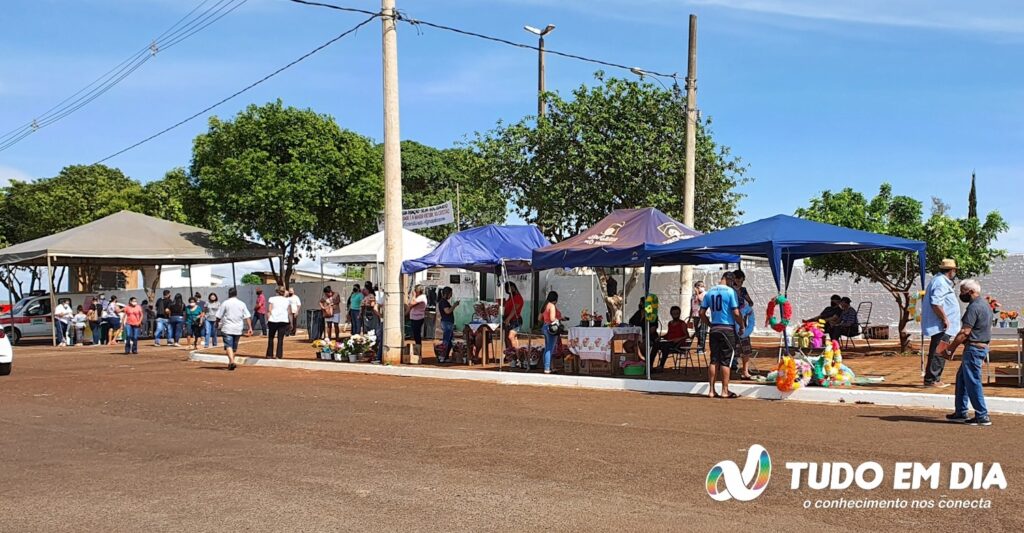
pixel 91 440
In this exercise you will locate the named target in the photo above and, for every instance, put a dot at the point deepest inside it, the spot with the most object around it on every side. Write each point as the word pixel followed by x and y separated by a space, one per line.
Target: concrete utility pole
pixel 393 315
pixel 689 186
pixel 540 64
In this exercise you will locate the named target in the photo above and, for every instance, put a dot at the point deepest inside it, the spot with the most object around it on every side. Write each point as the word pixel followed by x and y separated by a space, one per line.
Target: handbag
pixel 556 328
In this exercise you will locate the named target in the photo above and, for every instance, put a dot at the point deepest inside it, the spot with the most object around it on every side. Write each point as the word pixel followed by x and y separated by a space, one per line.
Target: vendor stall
pixel 624 239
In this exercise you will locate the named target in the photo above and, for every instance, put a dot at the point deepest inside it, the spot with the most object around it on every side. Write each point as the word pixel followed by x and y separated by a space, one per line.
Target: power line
pixel 250 86
pixel 188 25
pixel 419 22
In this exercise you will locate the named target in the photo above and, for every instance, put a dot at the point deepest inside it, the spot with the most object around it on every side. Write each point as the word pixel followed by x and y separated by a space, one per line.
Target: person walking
pixel 417 309
pixel 133 316
pixel 193 323
pixel 176 320
pixel 296 308
pixel 260 312
pixel 939 311
pixel 723 305
pixel 550 317
pixel 112 319
pixel 233 320
pixel 446 310
pixel 163 319
pixel 279 322
pixel 209 325
pixel 698 325
pixel 62 316
pixel 975 335
pixel 354 307
pixel 373 320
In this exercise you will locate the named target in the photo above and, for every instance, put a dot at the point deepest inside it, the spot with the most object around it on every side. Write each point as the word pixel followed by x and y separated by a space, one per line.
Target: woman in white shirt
pixel 279 314
pixel 63 314
pixel 417 306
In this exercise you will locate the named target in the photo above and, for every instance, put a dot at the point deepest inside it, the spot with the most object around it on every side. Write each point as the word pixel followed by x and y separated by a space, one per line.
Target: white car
pixel 6 354
pixel 30 317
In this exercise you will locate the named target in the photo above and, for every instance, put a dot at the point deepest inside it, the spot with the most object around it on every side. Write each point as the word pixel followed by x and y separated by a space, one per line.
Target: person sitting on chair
pixel 846 325
pixel 832 311
pixel 676 339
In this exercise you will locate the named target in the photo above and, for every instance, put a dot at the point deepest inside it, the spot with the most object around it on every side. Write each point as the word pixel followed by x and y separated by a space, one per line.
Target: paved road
pixel 91 441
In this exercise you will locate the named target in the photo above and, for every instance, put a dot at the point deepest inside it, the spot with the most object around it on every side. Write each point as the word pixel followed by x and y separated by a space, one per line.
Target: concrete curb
pixel 764 392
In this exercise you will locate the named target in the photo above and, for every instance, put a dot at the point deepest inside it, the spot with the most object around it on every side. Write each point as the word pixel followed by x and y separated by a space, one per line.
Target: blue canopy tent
pixel 783 239
pixel 625 238
pixel 489 249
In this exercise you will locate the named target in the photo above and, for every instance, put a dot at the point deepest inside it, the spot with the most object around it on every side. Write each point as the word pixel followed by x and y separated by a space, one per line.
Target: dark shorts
pixel 723 342
pixel 231 341
pixel 515 324
pixel 743 347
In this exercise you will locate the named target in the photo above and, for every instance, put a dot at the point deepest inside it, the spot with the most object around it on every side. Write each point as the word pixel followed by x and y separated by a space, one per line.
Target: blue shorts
pixel 231 341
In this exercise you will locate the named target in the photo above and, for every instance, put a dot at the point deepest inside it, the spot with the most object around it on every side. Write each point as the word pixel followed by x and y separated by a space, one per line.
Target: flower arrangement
pixel 810 335
pixel 350 349
pixel 792 374
pixel 993 303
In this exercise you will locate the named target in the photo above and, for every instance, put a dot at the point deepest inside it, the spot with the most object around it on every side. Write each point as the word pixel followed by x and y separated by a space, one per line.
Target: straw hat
pixel 947 264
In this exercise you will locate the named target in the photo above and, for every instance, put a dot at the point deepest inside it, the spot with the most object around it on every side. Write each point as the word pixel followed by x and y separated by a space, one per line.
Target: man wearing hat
pixel 939 312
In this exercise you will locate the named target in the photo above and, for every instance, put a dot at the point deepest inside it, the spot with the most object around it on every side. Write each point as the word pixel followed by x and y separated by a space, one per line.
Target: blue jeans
pixel 259 320
pixel 176 323
pixel 549 346
pixel 162 329
pixel 447 337
pixel 380 342
pixel 95 327
pixel 131 338
pixel 356 320
pixel 209 333
pixel 968 382
pixel 62 332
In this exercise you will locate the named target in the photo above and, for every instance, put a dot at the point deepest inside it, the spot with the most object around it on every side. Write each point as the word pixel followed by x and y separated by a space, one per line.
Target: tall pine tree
pixel 972 201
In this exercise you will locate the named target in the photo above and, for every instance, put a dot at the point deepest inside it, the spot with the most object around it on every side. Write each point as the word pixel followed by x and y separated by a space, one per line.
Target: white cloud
pixel 10 173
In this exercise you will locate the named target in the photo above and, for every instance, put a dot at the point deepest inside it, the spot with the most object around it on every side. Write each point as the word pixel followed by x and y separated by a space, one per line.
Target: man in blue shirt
pixel 939 310
pixel 721 309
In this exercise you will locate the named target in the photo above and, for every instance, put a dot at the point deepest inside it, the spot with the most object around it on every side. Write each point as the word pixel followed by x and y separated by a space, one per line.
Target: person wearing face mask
pixel 193 323
pixel 975 335
pixel 939 309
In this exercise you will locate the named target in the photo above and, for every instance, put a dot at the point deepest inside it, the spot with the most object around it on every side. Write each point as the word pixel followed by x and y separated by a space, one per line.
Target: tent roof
pixel 622 238
pixel 483 249
pixel 783 239
pixel 371 249
pixel 127 238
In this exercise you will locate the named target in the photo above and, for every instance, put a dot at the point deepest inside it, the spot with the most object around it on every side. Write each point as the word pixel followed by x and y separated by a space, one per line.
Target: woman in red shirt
pixel 513 315
pixel 677 336
pixel 132 324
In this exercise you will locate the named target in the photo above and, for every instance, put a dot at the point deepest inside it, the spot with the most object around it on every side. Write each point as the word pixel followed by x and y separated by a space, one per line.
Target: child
pixel 79 321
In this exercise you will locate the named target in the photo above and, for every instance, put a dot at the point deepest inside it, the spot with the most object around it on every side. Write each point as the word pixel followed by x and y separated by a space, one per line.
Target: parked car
pixel 6 354
pixel 31 318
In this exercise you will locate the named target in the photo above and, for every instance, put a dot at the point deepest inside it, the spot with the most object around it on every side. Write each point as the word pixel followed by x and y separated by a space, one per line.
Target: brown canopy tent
pixel 128 239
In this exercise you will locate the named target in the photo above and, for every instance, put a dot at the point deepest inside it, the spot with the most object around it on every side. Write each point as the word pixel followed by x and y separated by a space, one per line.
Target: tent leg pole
pixel 234 282
pixel 53 302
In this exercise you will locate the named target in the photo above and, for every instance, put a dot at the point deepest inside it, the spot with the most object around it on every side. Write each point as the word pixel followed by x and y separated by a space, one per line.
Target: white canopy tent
pixel 371 249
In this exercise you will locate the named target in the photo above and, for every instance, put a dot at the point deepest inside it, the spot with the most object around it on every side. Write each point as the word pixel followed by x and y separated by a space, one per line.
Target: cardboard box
pixel 592 367
pixel 877 332
pixel 410 355
pixel 570 365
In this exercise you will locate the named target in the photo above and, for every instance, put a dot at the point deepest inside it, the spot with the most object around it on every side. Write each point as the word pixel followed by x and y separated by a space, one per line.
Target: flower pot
pixel 353 358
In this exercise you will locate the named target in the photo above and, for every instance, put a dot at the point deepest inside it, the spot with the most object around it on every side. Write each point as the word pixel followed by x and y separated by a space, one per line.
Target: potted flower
pixel 585 318
pixel 1013 318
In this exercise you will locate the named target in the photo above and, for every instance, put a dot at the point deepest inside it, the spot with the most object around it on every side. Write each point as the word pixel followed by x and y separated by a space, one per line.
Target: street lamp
pixel 540 64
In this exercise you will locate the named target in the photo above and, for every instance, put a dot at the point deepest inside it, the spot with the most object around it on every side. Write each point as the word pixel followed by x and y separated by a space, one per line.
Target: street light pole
pixel 393 323
pixel 540 64
pixel 689 183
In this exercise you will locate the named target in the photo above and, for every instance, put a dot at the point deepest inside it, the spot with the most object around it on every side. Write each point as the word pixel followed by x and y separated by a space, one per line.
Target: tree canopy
pixel 289 177
pixel 968 241
pixel 432 176
pixel 618 144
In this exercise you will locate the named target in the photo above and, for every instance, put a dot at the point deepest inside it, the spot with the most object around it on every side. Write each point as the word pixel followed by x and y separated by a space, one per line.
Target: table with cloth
pixel 598 344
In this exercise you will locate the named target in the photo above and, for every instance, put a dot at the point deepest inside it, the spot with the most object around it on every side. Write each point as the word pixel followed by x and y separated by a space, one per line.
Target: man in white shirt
pixel 296 307
pixel 233 320
pixel 63 315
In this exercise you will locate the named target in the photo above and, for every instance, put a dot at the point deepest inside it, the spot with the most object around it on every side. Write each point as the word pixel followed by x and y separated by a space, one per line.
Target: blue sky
pixel 811 94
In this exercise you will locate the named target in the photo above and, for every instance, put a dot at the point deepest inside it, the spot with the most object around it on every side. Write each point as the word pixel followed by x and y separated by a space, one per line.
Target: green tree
pixel 251 279
pixel 288 177
pixel 168 198
pixel 432 176
pixel 969 241
pixel 620 144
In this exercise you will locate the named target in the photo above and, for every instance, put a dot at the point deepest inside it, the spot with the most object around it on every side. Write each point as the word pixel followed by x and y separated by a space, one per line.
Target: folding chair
pixel 862 325
pixel 684 356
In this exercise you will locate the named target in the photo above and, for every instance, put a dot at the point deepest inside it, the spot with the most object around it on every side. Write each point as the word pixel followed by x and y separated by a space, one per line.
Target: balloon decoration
pixel 792 374
pixel 777 324
pixel 651 307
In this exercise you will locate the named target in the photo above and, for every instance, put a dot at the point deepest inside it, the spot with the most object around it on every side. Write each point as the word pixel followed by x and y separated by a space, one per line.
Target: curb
pixel 811 394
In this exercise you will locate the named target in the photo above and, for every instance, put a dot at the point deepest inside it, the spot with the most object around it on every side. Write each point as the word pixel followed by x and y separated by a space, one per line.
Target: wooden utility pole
pixel 393 315
pixel 689 185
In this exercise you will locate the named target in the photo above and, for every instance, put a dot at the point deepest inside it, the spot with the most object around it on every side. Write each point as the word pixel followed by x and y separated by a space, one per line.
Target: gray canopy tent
pixel 128 239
